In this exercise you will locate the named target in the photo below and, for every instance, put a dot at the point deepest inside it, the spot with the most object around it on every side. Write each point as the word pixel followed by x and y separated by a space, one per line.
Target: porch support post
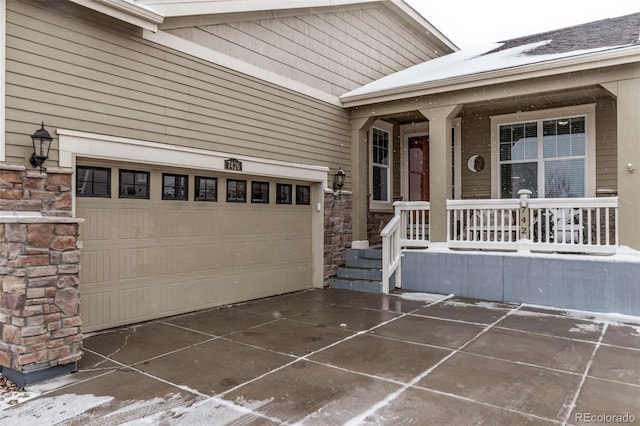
pixel 359 181
pixel 440 167
pixel 629 160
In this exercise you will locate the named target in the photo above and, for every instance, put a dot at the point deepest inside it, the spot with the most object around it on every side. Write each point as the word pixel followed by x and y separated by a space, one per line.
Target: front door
pixel 418 168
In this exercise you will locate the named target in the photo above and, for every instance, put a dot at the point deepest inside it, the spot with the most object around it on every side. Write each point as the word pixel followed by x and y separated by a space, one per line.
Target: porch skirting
pixel 590 283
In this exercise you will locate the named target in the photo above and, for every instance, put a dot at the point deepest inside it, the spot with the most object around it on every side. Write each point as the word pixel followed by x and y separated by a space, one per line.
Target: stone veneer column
pixel 338 230
pixel 39 275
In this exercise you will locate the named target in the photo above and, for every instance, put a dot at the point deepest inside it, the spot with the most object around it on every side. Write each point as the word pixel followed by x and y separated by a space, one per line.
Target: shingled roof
pixel 620 31
pixel 596 44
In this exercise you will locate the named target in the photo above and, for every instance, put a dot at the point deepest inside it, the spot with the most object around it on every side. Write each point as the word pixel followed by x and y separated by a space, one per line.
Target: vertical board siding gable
pixel 350 48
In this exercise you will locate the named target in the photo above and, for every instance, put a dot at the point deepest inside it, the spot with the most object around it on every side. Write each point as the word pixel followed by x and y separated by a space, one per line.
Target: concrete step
pixel 373 274
pixel 367 286
pixel 364 258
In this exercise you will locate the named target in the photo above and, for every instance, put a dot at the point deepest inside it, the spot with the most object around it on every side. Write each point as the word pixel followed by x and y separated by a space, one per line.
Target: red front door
pixel 419 168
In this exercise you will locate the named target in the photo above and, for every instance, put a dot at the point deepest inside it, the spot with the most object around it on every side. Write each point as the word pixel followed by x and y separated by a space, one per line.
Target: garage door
pixel 158 242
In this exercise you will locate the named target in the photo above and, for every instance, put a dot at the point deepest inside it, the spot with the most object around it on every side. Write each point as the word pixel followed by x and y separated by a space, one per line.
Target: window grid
pixel 284 193
pixel 236 191
pixel 303 195
pixel 175 187
pixel 260 192
pixel 546 156
pixel 381 145
pixel 206 189
pixel 134 184
pixel 93 182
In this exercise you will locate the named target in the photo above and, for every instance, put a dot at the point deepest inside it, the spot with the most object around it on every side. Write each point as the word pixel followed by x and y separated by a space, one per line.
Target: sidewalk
pixel 334 357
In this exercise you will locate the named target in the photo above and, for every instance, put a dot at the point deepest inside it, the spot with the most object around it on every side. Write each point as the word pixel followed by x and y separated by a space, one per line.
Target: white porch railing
pixel 408 228
pixel 391 252
pixel 415 222
pixel 483 224
pixel 574 225
pixel 565 225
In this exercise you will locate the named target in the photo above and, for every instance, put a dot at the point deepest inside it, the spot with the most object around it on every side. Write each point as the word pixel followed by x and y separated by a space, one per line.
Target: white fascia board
pixel 422 21
pixel 209 55
pixel 138 15
pixel 175 8
pixel 524 72
pixel 90 145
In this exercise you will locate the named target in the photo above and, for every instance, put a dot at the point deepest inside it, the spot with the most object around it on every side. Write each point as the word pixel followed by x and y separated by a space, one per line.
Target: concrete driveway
pixel 335 357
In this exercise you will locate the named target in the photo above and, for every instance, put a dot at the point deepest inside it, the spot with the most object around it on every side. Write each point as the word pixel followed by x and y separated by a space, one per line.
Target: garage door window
pixel 175 187
pixel 284 193
pixel 206 189
pixel 134 184
pixel 93 182
pixel 236 191
pixel 303 195
pixel 260 192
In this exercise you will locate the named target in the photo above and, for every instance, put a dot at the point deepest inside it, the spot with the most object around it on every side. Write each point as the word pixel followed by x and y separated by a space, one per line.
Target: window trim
pixel 298 201
pixel 186 187
pixel 196 186
pixel 586 110
pixel 245 191
pixel 376 204
pixel 254 201
pixel 77 175
pixel 287 185
pixel 120 195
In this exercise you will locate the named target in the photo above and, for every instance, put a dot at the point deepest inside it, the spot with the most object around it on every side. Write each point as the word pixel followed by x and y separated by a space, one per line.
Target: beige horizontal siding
pixel 68 71
pixel 606 145
pixel 333 52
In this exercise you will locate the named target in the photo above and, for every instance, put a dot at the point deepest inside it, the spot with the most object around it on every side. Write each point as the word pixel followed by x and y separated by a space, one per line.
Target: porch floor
pixel 336 356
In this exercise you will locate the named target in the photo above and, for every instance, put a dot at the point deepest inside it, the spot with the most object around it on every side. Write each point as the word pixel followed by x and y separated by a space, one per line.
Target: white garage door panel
pixel 146 259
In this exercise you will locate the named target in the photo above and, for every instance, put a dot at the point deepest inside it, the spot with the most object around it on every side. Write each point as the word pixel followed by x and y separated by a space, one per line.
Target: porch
pixel 560 252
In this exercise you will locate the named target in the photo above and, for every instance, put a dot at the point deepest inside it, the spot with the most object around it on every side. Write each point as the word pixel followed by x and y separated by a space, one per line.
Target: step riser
pixel 364 263
pixel 355 285
pixel 364 254
pixel 360 274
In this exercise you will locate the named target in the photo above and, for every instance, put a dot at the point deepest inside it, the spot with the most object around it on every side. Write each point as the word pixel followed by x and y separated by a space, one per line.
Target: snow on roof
pixel 577 41
pixel 483 58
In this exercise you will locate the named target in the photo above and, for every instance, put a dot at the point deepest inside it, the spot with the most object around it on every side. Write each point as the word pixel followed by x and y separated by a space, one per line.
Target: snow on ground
pixel 597 317
pixel 53 410
pixel 11 395
pixel 171 409
pixel 423 297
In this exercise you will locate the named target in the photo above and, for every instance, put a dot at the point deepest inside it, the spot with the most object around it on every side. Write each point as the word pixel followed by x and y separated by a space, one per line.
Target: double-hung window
pixel 381 163
pixel 550 153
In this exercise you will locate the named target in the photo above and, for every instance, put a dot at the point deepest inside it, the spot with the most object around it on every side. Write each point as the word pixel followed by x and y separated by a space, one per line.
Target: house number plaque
pixel 233 164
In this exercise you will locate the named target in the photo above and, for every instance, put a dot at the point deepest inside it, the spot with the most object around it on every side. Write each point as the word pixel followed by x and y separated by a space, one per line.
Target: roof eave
pixel 138 15
pixel 172 8
pixel 541 69
pixel 423 22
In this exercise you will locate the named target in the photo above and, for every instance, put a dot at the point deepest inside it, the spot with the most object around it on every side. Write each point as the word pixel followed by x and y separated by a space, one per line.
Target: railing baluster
pixel 606 217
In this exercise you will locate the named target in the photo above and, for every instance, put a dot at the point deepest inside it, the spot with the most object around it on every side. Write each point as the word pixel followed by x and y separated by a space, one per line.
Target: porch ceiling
pixel 558 98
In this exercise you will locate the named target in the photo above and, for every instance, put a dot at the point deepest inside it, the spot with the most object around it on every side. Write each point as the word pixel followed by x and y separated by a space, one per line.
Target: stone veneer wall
pixel 376 221
pixel 39 275
pixel 338 230
pixel 29 190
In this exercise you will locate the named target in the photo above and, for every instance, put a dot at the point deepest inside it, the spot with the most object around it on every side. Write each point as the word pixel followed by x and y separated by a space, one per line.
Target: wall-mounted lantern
pixel 41 140
pixel 338 180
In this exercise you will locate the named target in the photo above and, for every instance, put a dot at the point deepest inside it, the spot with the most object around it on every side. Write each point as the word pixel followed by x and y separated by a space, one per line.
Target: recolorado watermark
pixel 605 418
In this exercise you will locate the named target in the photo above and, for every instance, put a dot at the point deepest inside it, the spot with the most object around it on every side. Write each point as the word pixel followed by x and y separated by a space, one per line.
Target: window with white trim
pixel 548 153
pixel 381 163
